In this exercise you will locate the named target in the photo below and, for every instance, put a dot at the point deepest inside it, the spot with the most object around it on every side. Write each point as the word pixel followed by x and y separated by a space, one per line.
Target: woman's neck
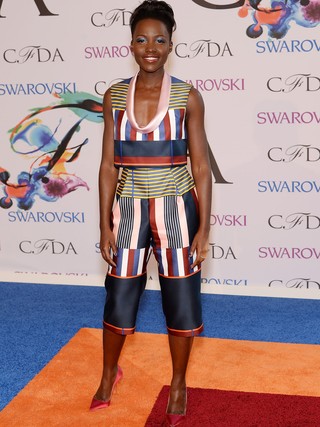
pixel 150 80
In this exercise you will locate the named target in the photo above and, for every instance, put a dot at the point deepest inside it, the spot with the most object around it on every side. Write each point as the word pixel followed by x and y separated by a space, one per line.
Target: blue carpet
pixel 37 320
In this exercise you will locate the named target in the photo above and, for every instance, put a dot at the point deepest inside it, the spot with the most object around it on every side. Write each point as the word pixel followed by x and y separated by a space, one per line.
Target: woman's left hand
pixel 200 246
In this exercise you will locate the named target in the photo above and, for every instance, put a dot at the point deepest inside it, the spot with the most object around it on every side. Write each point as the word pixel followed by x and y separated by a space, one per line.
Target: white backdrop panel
pixel 262 118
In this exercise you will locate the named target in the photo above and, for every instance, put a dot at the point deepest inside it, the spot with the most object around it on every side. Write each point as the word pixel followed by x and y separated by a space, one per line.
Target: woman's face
pixel 151 44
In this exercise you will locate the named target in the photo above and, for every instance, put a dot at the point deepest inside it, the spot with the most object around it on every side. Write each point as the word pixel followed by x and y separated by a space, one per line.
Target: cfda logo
pixel 277 16
pixel 43 10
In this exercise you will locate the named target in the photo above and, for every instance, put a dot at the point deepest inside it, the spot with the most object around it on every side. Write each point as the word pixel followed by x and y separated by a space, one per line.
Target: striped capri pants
pixel 165 226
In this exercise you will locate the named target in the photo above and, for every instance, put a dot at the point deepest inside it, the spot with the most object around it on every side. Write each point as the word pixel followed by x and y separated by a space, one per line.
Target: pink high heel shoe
pixel 101 404
pixel 174 420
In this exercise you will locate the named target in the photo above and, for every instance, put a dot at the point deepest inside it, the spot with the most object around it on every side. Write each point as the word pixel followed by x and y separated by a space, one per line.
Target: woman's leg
pixel 112 346
pixel 122 302
pixel 180 348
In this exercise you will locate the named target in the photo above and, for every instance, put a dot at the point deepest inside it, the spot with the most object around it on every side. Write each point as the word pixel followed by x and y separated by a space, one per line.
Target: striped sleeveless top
pixel 153 162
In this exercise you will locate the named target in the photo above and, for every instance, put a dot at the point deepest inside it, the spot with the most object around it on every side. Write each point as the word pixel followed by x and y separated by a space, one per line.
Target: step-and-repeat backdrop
pixel 256 64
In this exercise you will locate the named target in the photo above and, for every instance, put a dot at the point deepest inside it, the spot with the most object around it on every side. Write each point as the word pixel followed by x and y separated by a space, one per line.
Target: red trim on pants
pixel 119 331
pixel 185 333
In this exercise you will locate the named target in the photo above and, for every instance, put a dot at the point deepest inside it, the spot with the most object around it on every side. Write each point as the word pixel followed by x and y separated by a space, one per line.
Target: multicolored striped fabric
pixel 154 163
pixel 146 183
pixel 143 153
pixel 172 126
pixel 167 223
pixel 165 226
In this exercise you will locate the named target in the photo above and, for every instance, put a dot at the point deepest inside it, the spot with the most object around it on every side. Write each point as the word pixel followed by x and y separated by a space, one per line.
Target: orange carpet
pixel 61 393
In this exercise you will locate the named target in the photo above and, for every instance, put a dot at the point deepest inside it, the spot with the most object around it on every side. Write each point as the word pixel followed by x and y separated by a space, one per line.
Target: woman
pixel 150 122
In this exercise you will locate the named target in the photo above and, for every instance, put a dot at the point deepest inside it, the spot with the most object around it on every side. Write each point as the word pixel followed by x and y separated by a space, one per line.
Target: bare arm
pixel 200 166
pixel 108 178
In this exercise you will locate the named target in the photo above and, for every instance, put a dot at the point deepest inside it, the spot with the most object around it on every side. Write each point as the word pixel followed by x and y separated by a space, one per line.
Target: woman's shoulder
pixel 179 82
pixel 118 92
pixel 120 83
pixel 180 91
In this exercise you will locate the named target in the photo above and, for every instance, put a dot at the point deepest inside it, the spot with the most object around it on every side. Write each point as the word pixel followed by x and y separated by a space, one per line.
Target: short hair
pixel 154 9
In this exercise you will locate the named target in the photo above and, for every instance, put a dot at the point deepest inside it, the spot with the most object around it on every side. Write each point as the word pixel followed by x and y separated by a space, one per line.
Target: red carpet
pixel 219 408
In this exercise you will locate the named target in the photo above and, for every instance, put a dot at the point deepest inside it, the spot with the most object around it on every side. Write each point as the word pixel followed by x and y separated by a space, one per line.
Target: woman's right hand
pixel 107 244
